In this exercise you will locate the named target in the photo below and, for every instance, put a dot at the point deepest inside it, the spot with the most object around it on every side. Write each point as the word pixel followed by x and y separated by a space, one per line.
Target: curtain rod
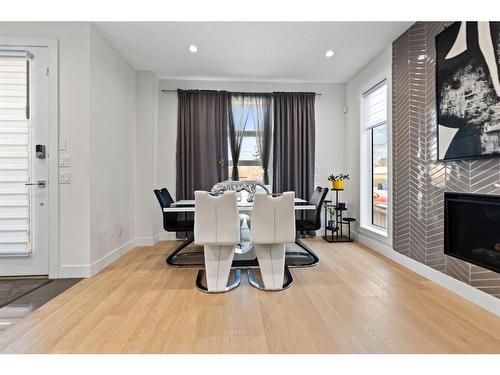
pixel 175 90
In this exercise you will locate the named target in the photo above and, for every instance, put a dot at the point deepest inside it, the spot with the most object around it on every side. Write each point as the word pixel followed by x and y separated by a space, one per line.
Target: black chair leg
pixel 313 258
pixel 172 258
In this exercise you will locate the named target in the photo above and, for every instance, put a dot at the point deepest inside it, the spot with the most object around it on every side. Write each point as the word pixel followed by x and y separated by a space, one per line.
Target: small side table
pixel 336 230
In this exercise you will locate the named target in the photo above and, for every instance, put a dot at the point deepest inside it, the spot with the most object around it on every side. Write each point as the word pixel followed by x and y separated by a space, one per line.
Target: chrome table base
pixel 255 284
pixel 201 287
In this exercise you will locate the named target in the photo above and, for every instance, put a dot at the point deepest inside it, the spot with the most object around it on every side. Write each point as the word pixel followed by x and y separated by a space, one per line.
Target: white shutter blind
pixel 14 157
pixel 375 106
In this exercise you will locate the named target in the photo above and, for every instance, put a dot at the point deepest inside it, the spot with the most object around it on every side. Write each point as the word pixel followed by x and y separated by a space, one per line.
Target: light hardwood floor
pixel 354 301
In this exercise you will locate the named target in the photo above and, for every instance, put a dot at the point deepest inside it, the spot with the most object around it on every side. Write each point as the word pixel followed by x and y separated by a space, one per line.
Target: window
pixel 249 164
pixel 375 155
pixel 250 127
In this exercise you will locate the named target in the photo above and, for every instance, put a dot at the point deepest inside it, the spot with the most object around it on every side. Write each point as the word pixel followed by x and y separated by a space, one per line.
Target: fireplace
pixel 472 228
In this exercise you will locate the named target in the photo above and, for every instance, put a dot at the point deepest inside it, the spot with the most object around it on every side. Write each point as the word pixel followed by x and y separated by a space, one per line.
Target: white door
pixel 24 130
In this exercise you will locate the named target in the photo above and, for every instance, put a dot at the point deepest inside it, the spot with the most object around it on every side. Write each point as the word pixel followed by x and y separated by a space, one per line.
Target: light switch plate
pixel 64 177
pixel 64 160
pixel 62 145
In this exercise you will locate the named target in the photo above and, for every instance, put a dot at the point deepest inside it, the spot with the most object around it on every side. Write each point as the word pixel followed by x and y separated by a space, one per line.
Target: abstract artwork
pixel 468 90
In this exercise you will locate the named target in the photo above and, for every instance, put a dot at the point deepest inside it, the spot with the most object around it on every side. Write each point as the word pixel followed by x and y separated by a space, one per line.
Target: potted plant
pixel 338 180
pixel 331 214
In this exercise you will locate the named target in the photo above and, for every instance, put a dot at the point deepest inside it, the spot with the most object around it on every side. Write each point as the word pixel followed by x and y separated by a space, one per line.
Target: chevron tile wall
pixel 419 180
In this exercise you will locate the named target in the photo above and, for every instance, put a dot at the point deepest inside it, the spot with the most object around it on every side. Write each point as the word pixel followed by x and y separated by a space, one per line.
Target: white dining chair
pixel 216 227
pixel 273 226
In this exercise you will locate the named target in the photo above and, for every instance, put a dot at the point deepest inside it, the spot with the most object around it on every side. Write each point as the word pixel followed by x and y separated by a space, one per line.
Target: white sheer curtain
pixel 238 118
pixel 262 123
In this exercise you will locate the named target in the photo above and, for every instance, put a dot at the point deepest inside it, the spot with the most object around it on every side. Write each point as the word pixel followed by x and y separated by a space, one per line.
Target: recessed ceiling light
pixel 329 53
pixel 421 57
pixel 193 48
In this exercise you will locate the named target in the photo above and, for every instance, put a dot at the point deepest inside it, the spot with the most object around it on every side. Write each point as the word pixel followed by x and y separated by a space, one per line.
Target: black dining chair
pixel 173 221
pixel 177 222
pixel 310 220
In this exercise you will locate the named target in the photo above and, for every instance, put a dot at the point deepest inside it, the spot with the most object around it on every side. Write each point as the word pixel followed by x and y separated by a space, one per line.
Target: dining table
pixel 297 254
pixel 187 205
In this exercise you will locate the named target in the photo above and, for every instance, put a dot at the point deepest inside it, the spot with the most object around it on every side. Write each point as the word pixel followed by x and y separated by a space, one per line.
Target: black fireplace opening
pixel 472 228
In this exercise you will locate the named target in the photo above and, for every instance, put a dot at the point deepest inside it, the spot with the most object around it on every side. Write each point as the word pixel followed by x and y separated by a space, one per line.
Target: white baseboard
pixel 165 236
pixel 480 298
pixel 110 257
pixel 151 241
pixel 88 270
pixel 70 271
pixel 144 241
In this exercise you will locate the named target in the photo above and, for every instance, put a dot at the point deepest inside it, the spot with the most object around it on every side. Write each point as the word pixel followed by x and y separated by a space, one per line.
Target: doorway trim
pixel 53 149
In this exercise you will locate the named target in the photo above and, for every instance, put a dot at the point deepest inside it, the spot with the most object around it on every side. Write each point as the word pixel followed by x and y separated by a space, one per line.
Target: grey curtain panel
pixel 239 114
pixel 263 131
pixel 201 140
pixel 294 143
pixel 250 113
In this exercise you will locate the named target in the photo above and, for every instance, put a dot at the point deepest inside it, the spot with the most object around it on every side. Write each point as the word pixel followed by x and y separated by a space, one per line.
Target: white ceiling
pixel 257 51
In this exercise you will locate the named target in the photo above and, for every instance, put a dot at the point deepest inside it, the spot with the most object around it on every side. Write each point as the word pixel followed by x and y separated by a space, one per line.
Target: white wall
pixel 330 130
pixel 374 72
pixel 97 121
pixel 74 120
pixel 112 150
pixel 148 213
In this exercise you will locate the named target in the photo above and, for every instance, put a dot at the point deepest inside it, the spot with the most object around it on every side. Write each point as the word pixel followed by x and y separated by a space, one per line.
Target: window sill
pixel 374 231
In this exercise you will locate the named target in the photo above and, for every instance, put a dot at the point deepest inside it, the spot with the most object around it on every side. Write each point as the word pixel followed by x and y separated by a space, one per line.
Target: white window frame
pixel 366 182
pixel 53 147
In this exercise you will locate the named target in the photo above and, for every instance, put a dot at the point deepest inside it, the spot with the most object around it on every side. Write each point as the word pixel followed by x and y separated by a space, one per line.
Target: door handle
pixel 40 183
